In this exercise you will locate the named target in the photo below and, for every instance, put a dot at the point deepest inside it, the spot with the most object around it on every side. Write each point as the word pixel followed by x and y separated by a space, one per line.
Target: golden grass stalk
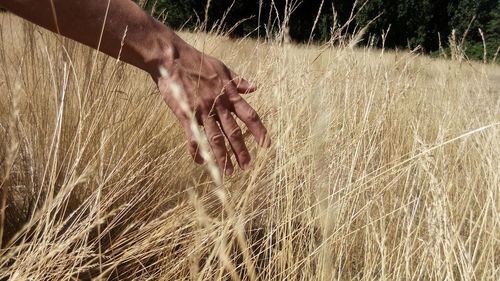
pixel 384 166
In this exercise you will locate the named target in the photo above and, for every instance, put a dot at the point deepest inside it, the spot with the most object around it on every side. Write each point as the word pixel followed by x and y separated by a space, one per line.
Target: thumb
pixel 242 85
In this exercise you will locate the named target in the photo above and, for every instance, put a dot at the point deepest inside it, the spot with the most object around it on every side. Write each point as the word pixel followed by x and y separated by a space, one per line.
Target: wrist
pixel 169 48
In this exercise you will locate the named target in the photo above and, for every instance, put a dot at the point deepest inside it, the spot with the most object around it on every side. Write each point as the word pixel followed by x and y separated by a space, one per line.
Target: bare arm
pixel 82 20
pixel 150 45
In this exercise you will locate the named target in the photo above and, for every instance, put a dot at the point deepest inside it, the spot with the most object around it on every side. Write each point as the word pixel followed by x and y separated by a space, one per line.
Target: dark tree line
pixel 412 22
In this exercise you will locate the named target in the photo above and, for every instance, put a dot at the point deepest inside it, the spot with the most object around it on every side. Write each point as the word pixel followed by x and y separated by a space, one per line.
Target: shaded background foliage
pixel 412 22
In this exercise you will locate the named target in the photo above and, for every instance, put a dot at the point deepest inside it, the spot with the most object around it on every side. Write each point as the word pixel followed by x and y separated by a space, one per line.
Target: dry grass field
pixel 384 166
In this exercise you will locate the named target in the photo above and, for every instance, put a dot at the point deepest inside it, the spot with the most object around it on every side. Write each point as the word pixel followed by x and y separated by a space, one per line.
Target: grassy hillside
pixel 383 166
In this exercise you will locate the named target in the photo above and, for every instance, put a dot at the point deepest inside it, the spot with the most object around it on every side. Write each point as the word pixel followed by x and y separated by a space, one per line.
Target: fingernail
pixel 265 141
pixel 229 171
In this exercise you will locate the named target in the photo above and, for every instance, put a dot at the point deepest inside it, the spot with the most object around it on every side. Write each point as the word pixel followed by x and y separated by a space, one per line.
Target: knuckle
pixel 193 144
pixel 205 108
pixel 206 102
pixel 252 116
pixel 235 134
pixel 225 114
pixel 217 140
pixel 235 98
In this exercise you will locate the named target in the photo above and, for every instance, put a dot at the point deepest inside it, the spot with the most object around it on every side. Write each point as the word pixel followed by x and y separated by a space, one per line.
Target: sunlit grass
pixel 384 165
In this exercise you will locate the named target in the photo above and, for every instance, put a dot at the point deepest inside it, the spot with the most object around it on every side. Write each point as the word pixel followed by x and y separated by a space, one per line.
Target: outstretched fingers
pixel 235 137
pixel 218 145
pixel 252 120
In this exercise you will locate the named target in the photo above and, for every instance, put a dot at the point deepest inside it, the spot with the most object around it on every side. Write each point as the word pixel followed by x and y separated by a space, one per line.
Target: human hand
pixel 213 92
pixel 210 88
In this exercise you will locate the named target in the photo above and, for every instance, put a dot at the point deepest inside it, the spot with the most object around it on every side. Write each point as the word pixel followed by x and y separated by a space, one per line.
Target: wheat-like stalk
pixel 384 166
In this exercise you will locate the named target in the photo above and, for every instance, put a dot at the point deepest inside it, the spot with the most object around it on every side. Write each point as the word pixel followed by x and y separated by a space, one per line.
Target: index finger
pixel 242 85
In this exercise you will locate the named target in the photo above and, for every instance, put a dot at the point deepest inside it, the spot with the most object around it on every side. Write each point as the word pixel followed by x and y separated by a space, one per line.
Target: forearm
pixel 146 41
pixel 210 88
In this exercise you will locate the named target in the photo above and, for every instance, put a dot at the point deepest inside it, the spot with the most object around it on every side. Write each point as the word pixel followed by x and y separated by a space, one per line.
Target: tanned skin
pixel 212 90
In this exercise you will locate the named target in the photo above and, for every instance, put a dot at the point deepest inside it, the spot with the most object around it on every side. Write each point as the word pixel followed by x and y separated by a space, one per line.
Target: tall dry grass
pixel 384 166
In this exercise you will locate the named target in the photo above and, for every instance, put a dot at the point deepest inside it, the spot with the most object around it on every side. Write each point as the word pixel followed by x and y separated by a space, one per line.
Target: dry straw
pixel 384 166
